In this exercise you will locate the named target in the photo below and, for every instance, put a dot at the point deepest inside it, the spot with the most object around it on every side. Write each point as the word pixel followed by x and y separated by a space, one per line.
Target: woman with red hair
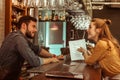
pixel 106 52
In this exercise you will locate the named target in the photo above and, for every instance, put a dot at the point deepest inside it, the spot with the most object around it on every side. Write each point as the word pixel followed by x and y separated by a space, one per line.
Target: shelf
pixel 51 15
pixel 52 21
pixel 49 9
pixel 76 11
pixel 12 15
pixel 18 8
pixel 106 3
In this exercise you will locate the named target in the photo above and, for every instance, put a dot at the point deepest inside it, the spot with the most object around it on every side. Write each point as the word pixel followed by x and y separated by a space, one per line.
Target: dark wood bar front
pixel 69 68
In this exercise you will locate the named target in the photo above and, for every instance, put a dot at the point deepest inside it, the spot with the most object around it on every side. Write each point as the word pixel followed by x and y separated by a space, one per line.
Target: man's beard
pixel 29 35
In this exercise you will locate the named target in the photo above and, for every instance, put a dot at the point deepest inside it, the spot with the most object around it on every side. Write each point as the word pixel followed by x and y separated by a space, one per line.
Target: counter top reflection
pixel 66 70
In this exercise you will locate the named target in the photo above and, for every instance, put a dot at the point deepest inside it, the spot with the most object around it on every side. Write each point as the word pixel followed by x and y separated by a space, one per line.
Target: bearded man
pixel 16 49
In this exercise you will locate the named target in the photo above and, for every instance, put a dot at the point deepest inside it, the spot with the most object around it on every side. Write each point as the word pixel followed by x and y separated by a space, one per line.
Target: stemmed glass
pixel 81 21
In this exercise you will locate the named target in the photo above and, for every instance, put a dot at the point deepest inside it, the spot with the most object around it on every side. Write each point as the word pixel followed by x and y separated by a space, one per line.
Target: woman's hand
pixel 84 51
pixel 81 50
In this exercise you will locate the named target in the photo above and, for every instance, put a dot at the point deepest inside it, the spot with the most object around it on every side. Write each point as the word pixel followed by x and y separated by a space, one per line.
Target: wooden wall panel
pixel 2 20
pixel 112 14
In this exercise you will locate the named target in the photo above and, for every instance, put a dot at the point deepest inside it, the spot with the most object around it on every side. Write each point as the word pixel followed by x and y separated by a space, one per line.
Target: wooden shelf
pixel 52 20
pixel 19 8
pixel 11 10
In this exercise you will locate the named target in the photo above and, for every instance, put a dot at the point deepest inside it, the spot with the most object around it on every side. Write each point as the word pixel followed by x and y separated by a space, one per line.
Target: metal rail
pixel 106 3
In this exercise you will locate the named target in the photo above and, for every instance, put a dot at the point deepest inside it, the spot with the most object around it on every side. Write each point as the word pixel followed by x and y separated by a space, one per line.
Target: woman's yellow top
pixel 106 55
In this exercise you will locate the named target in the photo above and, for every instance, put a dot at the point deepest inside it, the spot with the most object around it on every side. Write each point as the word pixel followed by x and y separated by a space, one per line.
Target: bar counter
pixel 66 70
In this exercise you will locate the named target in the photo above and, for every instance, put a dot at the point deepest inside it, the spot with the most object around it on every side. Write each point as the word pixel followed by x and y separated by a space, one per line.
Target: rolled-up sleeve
pixel 35 48
pixel 41 60
pixel 100 49
pixel 27 53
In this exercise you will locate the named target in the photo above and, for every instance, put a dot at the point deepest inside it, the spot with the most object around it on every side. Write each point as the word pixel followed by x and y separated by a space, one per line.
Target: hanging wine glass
pixel 45 4
pixel 52 4
pixel 30 3
pixel 81 21
pixel 25 2
pixel 40 3
pixel 61 4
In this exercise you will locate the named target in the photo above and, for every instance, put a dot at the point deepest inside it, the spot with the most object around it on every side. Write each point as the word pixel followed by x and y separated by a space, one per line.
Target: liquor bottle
pixel 46 17
pixel 19 15
pixel 14 18
pixel 40 16
pixel 50 17
pixel 53 14
pixel 56 16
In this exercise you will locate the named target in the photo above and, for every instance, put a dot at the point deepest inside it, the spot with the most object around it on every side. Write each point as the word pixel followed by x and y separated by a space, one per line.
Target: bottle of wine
pixel 40 16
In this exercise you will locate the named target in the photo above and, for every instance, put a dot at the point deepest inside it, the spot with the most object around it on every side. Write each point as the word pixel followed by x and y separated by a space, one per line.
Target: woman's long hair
pixel 105 32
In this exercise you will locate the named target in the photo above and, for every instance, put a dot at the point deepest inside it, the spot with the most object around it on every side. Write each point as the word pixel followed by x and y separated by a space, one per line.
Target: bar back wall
pixel 2 20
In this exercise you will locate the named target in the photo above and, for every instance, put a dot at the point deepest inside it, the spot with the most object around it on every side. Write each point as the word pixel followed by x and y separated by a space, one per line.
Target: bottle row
pixel 51 15
pixel 16 15
pixel 20 3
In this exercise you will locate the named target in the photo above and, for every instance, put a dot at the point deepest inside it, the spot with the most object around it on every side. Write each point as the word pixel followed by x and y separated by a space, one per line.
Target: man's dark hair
pixel 26 20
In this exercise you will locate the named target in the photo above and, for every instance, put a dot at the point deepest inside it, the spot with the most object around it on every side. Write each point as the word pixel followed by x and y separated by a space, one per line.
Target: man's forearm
pixel 45 53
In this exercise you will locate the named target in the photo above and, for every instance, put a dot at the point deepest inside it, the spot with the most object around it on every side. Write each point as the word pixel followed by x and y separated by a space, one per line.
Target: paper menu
pixel 74 45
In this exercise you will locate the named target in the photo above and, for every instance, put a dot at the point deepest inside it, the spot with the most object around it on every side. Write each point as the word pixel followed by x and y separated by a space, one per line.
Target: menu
pixel 74 45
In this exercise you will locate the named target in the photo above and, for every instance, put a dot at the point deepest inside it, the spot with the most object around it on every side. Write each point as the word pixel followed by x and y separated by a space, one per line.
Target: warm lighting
pixel 81 10
pixel 54 27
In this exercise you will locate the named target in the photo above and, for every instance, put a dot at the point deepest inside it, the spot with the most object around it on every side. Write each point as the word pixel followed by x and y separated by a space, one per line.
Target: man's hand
pixel 54 60
pixel 50 60
pixel 54 56
pixel 60 57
